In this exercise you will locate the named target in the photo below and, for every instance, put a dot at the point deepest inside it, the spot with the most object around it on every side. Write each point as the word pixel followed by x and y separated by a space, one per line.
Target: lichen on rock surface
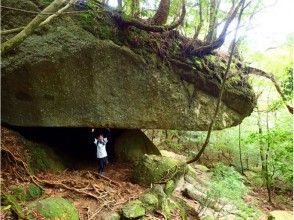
pixel 69 75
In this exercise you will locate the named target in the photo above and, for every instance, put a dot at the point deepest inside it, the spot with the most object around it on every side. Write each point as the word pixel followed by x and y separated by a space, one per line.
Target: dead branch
pixel 11 31
pixel 51 17
pixel 258 72
pixel 28 30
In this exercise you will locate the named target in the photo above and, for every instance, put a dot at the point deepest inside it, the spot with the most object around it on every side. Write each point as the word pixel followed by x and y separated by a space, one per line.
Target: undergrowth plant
pixel 226 194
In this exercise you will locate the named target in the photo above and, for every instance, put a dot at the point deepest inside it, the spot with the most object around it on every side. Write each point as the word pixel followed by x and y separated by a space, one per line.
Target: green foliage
pixel 287 84
pixel 281 154
pixel 227 186
pixel 227 183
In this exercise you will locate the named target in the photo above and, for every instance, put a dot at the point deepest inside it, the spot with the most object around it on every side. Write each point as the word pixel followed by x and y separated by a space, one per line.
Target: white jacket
pixel 101 147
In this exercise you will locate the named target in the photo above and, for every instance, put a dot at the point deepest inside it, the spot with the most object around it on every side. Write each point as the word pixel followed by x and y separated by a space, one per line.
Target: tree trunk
pixel 135 8
pixel 161 15
pixel 119 5
pixel 197 157
pixel 267 177
pixel 240 151
pixel 261 148
pixel 213 11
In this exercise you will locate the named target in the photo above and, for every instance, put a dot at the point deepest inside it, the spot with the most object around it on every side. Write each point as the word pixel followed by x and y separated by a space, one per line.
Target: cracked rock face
pixel 66 77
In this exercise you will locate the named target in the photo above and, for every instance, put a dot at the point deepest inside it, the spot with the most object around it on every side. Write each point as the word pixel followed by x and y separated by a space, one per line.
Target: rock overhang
pixel 66 77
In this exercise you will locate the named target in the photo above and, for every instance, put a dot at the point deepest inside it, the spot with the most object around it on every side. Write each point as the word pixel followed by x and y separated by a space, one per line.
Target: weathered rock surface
pixel 132 144
pixel 65 76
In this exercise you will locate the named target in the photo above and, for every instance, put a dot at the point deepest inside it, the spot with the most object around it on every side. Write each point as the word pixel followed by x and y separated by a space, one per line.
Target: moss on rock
pixel 153 168
pixel 150 201
pixel 42 158
pixel 133 209
pixel 54 208
pixel 132 144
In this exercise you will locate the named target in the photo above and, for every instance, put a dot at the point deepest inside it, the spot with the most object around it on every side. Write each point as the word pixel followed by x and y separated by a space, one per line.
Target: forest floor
pixel 95 195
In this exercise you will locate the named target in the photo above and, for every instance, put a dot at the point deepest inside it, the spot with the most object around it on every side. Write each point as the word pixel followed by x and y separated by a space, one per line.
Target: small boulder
pixel 280 215
pixel 153 168
pixel 55 208
pixel 133 209
pixel 201 168
pixel 150 200
pixel 192 193
pixel 111 216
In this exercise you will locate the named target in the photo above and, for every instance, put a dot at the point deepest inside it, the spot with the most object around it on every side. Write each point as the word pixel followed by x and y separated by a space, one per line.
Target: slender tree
pixel 197 157
pixel 240 151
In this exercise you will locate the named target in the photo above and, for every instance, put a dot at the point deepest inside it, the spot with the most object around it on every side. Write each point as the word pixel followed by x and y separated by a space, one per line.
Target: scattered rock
pixel 201 168
pixel 111 216
pixel 150 199
pixel 133 209
pixel 55 208
pixel 192 193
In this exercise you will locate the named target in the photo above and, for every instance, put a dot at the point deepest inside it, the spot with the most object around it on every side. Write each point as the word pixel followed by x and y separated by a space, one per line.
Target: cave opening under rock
pixel 76 149
pixel 75 145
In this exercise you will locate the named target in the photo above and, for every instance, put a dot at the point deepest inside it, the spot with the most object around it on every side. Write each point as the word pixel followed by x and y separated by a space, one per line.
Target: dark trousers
pixel 102 164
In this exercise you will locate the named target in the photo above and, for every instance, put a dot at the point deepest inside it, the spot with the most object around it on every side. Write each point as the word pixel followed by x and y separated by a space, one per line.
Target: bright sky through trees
pixel 272 26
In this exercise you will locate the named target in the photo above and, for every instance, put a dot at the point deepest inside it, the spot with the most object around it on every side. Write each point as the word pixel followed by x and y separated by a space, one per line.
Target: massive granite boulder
pixel 63 75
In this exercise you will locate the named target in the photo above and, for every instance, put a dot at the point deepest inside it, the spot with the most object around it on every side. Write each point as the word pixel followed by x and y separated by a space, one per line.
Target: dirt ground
pixel 92 194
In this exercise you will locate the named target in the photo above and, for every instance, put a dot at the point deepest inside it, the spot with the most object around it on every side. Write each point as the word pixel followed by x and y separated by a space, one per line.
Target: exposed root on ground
pixel 91 193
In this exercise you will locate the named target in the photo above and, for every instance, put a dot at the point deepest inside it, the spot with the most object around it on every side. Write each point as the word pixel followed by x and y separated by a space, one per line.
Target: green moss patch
pixel 55 208
pixel 153 168
pixel 133 209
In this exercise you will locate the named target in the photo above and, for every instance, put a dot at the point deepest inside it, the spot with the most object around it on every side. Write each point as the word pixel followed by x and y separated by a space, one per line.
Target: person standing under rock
pixel 100 143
